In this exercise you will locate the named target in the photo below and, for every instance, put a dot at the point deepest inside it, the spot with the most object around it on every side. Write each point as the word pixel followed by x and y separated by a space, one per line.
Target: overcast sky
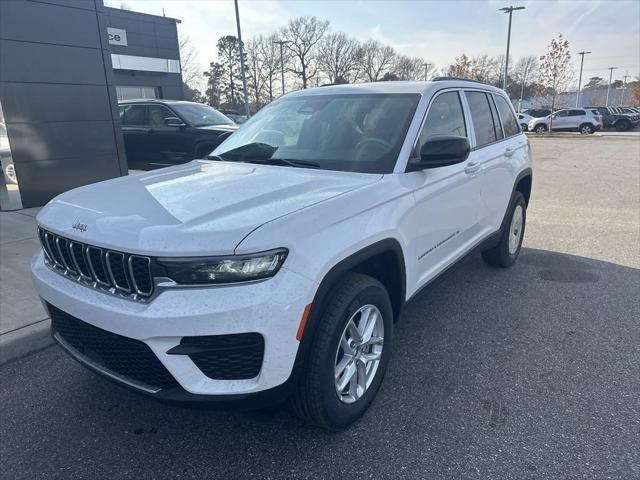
pixel 435 30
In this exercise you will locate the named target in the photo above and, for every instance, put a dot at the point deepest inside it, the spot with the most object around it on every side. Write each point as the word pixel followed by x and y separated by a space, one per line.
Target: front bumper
pixel 272 308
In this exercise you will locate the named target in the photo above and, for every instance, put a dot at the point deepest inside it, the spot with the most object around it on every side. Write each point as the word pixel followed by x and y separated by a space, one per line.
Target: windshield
pixel 358 133
pixel 199 115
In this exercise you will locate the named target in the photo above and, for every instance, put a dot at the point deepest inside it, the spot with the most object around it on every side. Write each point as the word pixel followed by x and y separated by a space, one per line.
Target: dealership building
pixel 64 64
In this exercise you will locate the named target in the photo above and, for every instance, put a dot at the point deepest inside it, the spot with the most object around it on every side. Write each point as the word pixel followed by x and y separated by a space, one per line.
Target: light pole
pixel 244 77
pixel 611 69
pixel 426 71
pixel 506 59
pixel 582 54
pixel 281 43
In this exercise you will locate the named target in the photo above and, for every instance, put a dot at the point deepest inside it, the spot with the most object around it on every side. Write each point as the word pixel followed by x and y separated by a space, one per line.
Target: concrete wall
pixel 57 93
pixel 147 36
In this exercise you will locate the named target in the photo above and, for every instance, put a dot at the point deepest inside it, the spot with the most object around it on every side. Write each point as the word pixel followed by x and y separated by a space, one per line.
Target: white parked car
pixel 277 270
pixel 523 120
pixel 583 120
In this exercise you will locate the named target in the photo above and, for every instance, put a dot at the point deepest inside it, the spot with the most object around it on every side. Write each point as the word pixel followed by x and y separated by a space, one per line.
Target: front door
pixel 134 130
pixel 167 143
pixel 445 220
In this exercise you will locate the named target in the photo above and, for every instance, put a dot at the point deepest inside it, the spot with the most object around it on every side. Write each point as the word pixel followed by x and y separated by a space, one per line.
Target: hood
pixel 218 128
pixel 200 208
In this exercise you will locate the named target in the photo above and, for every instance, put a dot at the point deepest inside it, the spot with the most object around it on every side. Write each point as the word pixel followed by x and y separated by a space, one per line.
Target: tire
pixel 316 399
pixel 587 128
pixel 623 125
pixel 540 128
pixel 10 174
pixel 524 127
pixel 506 252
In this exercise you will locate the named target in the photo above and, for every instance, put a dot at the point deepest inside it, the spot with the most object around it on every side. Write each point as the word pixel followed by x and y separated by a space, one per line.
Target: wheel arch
pixel 383 260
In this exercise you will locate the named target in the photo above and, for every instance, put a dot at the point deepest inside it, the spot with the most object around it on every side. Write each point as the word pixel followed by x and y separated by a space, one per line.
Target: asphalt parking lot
pixel 533 372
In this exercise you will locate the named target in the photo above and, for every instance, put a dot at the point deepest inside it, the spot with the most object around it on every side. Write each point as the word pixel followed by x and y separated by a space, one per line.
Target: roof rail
pixel 442 79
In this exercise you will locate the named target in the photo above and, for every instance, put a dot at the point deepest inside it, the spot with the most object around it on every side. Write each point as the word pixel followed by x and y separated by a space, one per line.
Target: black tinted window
pixel 562 113
pixel 509 122
pixel 445 117
pixel 482 118
pixel 133 115
pixel 576 113
pixel 158 115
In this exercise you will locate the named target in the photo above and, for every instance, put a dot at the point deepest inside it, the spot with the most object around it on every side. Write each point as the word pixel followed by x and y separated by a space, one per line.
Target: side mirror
pixel 173 122
pixel 441 151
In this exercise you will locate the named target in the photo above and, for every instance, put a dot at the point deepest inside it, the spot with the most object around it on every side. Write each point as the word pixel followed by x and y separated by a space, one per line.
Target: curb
pixel 25 340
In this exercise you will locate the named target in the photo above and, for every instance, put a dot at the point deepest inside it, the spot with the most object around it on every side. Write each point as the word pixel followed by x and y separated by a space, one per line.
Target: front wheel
pixel 349 354
pixel 506 252
pixel 524 127
pixel 541 128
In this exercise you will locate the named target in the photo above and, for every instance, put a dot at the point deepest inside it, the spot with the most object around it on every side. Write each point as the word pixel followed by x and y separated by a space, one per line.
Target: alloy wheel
pixel 358 354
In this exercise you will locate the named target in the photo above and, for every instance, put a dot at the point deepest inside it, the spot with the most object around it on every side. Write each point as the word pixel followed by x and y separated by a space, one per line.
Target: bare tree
pixel 191 70
pixel 303 35
pixel 555 69
pixel 461 67
pixel 377 59
pixel 483 68
pixel 263 63
pixel 408 68
pixel 339 58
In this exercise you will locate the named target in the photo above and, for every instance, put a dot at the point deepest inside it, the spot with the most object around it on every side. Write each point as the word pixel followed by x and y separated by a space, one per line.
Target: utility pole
pixel 611 69
pixel 510 10
pixel 426 70
pixel 582 54
pixel 244 77
pixel 281 43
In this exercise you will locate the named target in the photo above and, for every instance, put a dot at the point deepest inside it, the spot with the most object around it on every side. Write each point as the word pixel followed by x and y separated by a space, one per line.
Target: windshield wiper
pixel 290 162
pixel 211 156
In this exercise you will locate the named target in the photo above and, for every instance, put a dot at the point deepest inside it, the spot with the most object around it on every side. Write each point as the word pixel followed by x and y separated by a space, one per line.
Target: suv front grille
pixel 114 353
pixel 116 272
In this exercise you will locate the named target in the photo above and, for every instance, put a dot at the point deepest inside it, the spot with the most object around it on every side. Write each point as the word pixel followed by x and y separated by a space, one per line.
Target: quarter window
pixel 445 117
pixel 509 123
pixel 482 118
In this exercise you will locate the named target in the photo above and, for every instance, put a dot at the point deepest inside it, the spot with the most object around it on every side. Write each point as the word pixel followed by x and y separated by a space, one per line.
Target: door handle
pixel 508 152
pixel 472 167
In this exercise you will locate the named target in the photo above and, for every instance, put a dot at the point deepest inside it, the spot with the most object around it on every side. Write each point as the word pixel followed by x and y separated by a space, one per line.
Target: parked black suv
pixel 617 118
pixel 159 133
pixel 538 112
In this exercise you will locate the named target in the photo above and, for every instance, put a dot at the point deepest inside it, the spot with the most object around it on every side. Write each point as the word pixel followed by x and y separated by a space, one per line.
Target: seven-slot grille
pixel 118 272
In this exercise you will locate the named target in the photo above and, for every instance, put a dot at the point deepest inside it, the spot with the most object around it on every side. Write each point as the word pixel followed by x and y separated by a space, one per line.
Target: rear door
pixel 491 152
pixel 499 176
pixel 577 117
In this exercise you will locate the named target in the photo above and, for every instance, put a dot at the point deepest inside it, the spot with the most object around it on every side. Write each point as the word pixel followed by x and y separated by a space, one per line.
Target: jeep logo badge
pixel 79 226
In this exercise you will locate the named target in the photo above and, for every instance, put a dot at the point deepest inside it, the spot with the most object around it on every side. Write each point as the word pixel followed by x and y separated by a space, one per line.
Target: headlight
pixel 231 269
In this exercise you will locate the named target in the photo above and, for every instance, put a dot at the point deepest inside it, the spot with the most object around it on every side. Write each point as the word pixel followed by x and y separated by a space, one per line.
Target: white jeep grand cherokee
pixel 277 268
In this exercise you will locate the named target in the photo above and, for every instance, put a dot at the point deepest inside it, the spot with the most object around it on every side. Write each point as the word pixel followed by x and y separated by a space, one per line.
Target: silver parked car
pixel 581 120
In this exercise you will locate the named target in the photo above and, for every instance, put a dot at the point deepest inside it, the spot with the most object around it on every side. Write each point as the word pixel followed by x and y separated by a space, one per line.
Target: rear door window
pixel 509 122
pixel 482 118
